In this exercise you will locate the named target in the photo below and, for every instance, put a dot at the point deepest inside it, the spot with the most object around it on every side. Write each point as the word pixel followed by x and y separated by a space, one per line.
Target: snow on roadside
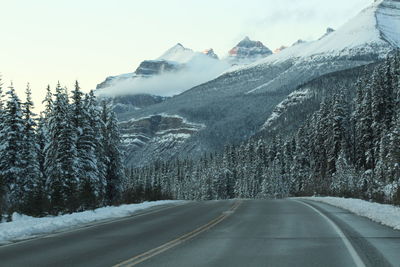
pixel 385 214
pixel 23 227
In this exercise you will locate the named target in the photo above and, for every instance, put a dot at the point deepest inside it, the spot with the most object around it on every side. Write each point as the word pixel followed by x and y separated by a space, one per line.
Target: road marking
pixel 353 253
pixel 173 243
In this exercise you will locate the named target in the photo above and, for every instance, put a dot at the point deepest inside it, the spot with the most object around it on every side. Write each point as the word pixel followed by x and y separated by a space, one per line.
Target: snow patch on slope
pixel 23 227
pixel 384 214
pixel 293 99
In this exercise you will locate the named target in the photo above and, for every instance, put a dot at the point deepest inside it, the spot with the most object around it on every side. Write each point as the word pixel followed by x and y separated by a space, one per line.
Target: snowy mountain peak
pixel 210 52
pixel 178 53
pixel 249 50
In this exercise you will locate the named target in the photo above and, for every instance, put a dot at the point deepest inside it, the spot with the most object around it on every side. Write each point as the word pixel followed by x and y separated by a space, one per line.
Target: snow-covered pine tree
pixel 320 131
pixel 92 158
pixel 394 152
pixel 61 156
pixel 114 174
pixel 11 163
pixel 42 141
pixel 344 179
pixel 365 135
pixel 86 143
pixel 2 180
pixel 301 166
pixel 30 172
pixel 338 137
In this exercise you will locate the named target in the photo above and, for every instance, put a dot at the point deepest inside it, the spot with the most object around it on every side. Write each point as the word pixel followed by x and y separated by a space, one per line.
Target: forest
pixel 67 159
pixel 350 147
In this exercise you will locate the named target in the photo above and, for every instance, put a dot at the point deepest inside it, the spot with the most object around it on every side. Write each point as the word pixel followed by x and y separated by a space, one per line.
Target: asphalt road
pixel 218 233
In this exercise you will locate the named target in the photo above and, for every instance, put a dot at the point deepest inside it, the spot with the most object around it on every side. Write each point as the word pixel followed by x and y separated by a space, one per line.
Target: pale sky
pixel 43 41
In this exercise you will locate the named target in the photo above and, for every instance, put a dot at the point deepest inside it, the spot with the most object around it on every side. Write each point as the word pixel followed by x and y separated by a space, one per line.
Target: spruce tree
pixel 2 179
pixel 30 172
pixel 11 162
pixel 61 156
pixel 114 173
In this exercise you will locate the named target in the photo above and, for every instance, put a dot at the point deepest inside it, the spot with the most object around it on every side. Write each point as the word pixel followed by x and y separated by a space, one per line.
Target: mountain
pixel 247 51
pixel 175 71
pixel 171 60
pixel 237 104
pixel 210 52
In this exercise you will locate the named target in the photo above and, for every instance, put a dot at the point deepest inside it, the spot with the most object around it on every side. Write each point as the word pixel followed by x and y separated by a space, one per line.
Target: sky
pixel 45 41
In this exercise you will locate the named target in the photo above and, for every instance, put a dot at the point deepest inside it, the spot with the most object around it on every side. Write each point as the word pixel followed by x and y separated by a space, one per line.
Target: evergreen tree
pixel 30 169
pixel 61 156
pixel 11 162
pixel 2 179
pixel 114 174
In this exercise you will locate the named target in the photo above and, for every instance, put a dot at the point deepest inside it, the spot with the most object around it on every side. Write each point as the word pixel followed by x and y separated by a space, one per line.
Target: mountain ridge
pixel 235 105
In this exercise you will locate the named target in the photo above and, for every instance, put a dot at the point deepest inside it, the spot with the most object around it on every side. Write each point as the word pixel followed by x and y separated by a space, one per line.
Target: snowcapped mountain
pixel 178 53
pixel 210 52
pixel 180 59
pixel 373 31
pixel 247 51
pixel 173 59
pixel 238 103
pixel 175 71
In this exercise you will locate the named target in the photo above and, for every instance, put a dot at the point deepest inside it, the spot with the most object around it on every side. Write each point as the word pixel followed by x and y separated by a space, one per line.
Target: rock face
pixel 155 67
pixel 161 136
pixel 235 106
pixel 328 31
pixel 248 51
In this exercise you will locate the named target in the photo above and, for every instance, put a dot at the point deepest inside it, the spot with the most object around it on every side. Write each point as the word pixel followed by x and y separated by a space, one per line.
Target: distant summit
pixel 248 50
pixel 178 53
pixel 210 52
pixel 280 49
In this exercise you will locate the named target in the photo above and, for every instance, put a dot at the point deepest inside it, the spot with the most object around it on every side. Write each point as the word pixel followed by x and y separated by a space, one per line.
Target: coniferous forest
pixel 68 158
pixel 65 160
pixel 348 148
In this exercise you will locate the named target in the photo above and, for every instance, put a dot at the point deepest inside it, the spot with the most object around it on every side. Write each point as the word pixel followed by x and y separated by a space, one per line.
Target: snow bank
pixel 385 214
pixel 23 227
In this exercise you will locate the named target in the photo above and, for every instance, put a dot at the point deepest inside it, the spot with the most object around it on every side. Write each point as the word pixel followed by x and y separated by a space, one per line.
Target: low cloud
pixel 197 71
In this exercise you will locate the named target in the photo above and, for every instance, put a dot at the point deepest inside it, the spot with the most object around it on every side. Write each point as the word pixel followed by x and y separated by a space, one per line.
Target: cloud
pixel 197 71
pixel 286 21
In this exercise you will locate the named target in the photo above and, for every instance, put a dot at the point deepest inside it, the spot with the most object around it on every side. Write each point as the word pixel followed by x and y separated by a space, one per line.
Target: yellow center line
pixel 173 243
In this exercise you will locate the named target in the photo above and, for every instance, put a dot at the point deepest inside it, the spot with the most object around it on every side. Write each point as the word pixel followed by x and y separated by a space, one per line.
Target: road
pixel 218 233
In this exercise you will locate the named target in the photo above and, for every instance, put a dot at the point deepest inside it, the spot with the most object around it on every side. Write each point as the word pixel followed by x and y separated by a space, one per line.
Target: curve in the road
pixel 357 259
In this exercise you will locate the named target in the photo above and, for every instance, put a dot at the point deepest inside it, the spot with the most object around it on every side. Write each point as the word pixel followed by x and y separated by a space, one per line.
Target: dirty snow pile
pixel 23 227
pixel 385 214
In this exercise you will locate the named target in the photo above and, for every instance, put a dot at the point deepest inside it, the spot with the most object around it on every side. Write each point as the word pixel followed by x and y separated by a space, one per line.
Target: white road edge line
pixel 353 253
